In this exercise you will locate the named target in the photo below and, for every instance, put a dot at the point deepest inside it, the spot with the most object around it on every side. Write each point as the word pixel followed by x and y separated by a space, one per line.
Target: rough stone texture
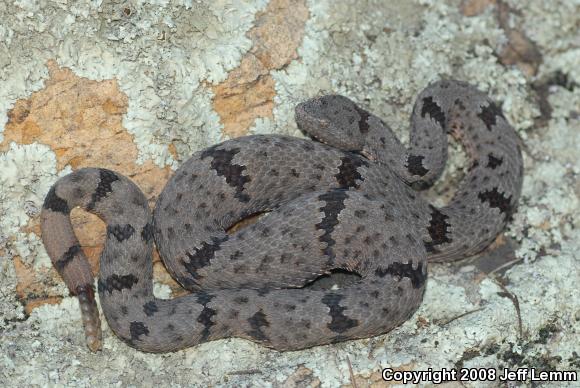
pixel 165 55
pixel 81 121
pixel 248 92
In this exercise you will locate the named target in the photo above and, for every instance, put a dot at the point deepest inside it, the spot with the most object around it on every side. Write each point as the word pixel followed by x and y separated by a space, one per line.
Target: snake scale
pixel 347 199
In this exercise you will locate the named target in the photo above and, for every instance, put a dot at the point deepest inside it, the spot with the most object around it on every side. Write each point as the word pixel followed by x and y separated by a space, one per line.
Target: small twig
pixel 461 316
pixel 508 264
pixel 352 380
pixel 515 302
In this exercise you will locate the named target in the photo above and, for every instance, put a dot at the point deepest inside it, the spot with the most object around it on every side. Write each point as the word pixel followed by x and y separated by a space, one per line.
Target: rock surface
pixel 138 88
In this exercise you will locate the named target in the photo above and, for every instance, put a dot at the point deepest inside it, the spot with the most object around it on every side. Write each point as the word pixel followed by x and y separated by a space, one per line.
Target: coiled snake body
pixel 345 201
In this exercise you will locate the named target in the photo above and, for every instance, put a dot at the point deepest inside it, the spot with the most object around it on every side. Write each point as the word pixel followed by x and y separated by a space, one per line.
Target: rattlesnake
pixel 346 201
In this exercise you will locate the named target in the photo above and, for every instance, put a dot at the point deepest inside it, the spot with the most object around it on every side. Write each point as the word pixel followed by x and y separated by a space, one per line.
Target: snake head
pixel 334 120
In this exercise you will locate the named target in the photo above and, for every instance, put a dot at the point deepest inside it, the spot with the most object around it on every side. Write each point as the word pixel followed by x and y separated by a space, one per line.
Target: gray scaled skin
pixel 346 201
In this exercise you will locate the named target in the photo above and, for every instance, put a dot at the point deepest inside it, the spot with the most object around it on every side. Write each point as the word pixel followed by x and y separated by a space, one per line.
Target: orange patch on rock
pixel 519 50
pixel 81 121
pixel 248 92
pixel 475 7
pixel 34 303
pixel 30 287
